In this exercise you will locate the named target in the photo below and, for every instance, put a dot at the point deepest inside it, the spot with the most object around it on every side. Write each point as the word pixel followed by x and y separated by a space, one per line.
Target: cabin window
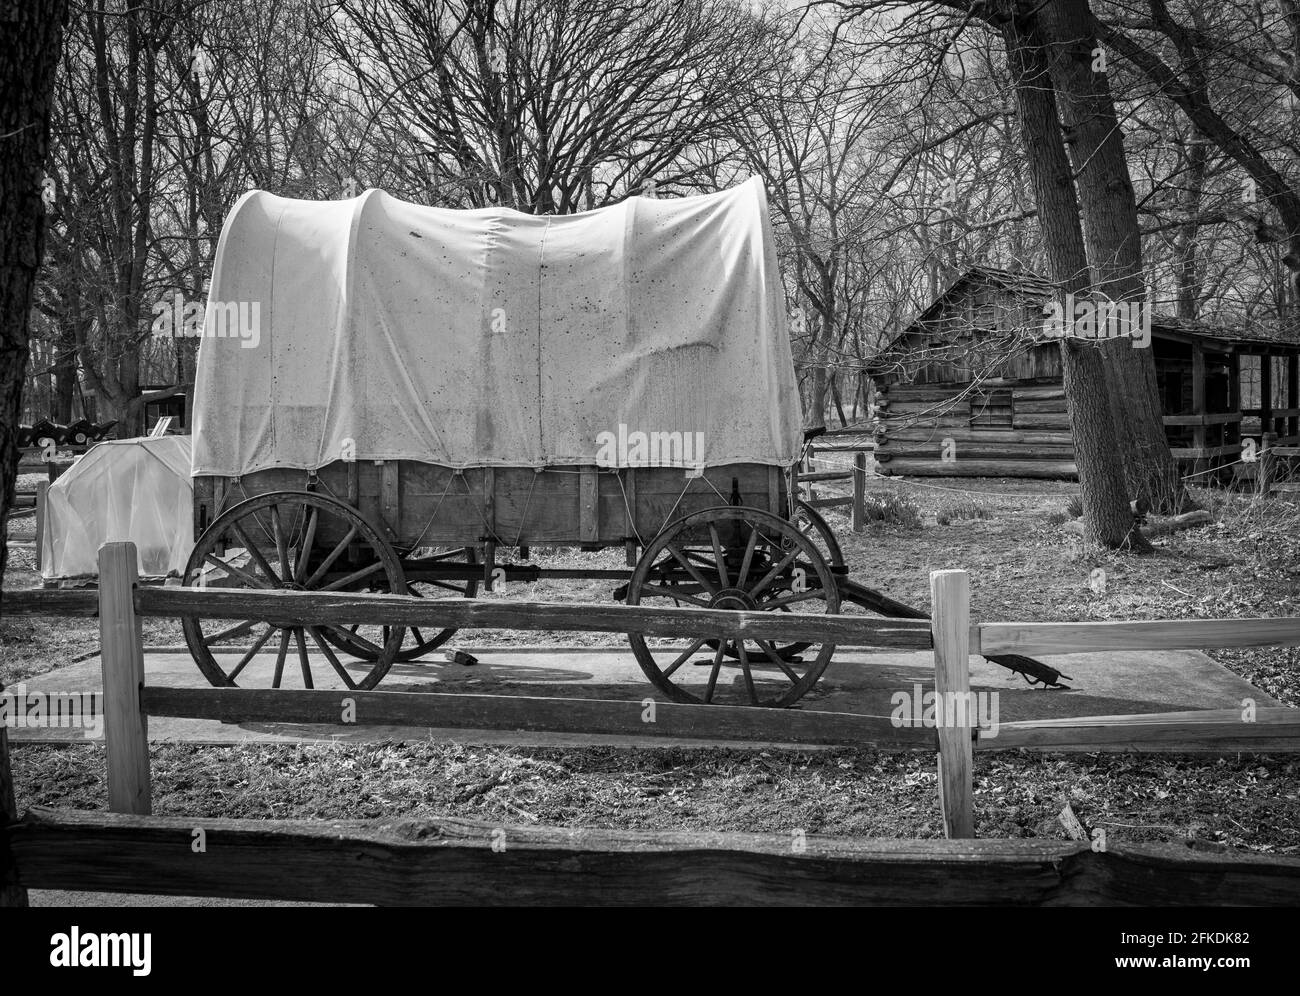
pixel 991 408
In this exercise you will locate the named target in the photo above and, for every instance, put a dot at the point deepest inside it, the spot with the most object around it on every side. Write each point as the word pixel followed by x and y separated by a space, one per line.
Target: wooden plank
pixel 533 714
pixel 1157 634
pixel 829 502
pixel 588 489
pixel 311 608
pixel 937 393
pixel 1218 731
pixel 1214 418
pixel 390 495
pixel 1049 469
pixel 829 475
pixel 774 492
pixel 51 602
pixel 42 495
pixel 1203 452
pixel 977 434
pixel 12 894
pixel 858 518
pixel 950 630
pixel 978 451
pixel 490 502
pixel 126 728
pixel 1198 395
pixel 455 862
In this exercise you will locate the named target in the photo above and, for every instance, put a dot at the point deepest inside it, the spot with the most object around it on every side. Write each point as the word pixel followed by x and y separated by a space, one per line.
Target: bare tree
pixel 548 105
pixel 27 65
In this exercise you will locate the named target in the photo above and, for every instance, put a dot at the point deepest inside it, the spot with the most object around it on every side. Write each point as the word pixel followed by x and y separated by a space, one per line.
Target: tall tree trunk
pixel 1114 244
pixel 33 32
pixel 1107 519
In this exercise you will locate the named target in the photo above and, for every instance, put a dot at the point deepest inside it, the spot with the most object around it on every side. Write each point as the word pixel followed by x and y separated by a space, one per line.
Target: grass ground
pixel 1024 567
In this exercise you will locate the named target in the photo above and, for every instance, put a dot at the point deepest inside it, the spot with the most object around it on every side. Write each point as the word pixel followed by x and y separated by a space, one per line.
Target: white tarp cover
pixel 492 337
pixel 126 489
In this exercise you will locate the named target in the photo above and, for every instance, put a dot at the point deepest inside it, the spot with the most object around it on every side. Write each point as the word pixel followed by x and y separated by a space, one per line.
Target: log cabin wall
pixel 1002 428
pixel 966 391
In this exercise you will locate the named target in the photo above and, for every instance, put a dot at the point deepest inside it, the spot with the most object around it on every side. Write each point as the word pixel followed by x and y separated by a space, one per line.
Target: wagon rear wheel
pixel 740 559
pixel 303 542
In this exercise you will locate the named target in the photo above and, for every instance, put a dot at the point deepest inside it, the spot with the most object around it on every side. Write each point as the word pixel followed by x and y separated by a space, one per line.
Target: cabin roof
pixel 1033 287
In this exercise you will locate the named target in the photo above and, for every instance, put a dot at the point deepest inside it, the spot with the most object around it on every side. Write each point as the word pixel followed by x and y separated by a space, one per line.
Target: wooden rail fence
pixel 448 861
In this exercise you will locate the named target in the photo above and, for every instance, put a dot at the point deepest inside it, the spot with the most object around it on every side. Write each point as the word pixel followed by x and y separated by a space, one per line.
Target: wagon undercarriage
pixel 725 556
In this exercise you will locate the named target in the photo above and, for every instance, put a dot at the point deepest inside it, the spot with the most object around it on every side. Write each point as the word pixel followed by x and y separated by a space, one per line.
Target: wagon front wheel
pixel 739 559
pixel 300 541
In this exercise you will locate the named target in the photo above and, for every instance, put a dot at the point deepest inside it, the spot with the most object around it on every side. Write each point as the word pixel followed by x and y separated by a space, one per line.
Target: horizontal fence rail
pixel 534 714
pixel 311 608
pixel 1200 730
pixel 462 862
pixel 1156 634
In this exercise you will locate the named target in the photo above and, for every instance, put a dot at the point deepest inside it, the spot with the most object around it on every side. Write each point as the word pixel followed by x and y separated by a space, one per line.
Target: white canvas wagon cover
pixel 386 330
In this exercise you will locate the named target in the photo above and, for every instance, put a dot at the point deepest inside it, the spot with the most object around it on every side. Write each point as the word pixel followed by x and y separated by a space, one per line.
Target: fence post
pixel 950 628
pixel 42 494
pixel 859 491
pixel 126 730
pixel 1266 460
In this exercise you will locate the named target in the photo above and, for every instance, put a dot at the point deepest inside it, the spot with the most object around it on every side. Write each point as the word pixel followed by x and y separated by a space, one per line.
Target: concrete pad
pixel 858 681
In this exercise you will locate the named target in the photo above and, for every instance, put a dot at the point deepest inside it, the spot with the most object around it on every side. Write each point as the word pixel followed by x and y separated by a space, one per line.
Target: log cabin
pixel 973 386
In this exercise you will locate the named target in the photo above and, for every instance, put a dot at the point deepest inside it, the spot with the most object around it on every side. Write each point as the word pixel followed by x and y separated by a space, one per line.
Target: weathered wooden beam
pixel 320 607
pixel 1155 634
pixel 42 496
pixel 1214 731
pixel 455 862
pixel 126 726
pixel 828 502
pixel 588 504
pixel 950 628
pixel 642 716
pixel 51 602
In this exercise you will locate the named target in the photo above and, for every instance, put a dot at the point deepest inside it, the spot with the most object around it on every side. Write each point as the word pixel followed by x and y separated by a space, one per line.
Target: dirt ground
pixel 1024 566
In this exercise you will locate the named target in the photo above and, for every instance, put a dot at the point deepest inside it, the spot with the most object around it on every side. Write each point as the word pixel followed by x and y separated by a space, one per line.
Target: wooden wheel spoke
pixel 256 554
pixel 303 661
pixel 279 658
pixel 715 671
pixel 772 575
pixel 744 667
pixel 719 555
pixel 304 549
pixel 243 661
pixel 750 546
pixel 674 594
pixel 798 596
pixel 463 592
pixel 684 657
pixel 252 580
pixel 692 570
pixel 225 634
pixel 328 562
pixel 281 544
pixel 357 639
pixel 332 657
pixel 776 659
pixel 354 577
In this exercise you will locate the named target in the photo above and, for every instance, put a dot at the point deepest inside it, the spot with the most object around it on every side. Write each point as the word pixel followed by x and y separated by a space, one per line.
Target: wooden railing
pixel 137 852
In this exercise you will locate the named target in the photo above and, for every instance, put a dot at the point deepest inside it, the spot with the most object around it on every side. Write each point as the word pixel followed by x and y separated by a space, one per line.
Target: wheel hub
pixel 734 600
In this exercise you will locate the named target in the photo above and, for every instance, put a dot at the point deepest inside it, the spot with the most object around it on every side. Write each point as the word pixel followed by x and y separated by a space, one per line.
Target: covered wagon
pixel 400 398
